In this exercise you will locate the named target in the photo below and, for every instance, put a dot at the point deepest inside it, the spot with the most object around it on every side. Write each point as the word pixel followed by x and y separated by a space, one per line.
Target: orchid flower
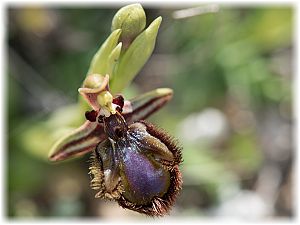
pixel 132 161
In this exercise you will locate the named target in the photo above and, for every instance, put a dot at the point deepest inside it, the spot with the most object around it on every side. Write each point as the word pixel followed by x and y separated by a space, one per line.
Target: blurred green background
pixel 232 75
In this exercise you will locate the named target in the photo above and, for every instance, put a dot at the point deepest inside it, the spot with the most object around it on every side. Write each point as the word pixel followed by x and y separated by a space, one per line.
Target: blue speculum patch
pixel 144 179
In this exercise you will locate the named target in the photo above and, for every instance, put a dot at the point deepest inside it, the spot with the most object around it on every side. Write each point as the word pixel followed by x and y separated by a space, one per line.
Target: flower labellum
pixel 137 165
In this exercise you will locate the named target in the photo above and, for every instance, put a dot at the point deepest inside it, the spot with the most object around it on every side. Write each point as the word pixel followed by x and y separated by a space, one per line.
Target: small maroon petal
pixel 91 115
pixel 119 100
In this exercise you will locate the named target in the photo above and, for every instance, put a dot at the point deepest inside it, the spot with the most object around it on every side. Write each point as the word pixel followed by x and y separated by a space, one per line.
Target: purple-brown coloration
pixel 133 162
pixel 119 100
pixel 91 115
pixel 129 170
pixel 144 179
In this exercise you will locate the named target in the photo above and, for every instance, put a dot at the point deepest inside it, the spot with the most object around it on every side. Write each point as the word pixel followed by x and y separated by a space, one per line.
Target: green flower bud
pixel 131 19
pixel 135 57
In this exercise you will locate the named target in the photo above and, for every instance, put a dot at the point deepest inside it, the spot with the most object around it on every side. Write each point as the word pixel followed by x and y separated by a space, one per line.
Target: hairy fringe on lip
pixel 97 179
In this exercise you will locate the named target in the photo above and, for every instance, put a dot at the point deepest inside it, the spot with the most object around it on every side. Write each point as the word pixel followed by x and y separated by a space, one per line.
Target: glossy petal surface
pixel 138 165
